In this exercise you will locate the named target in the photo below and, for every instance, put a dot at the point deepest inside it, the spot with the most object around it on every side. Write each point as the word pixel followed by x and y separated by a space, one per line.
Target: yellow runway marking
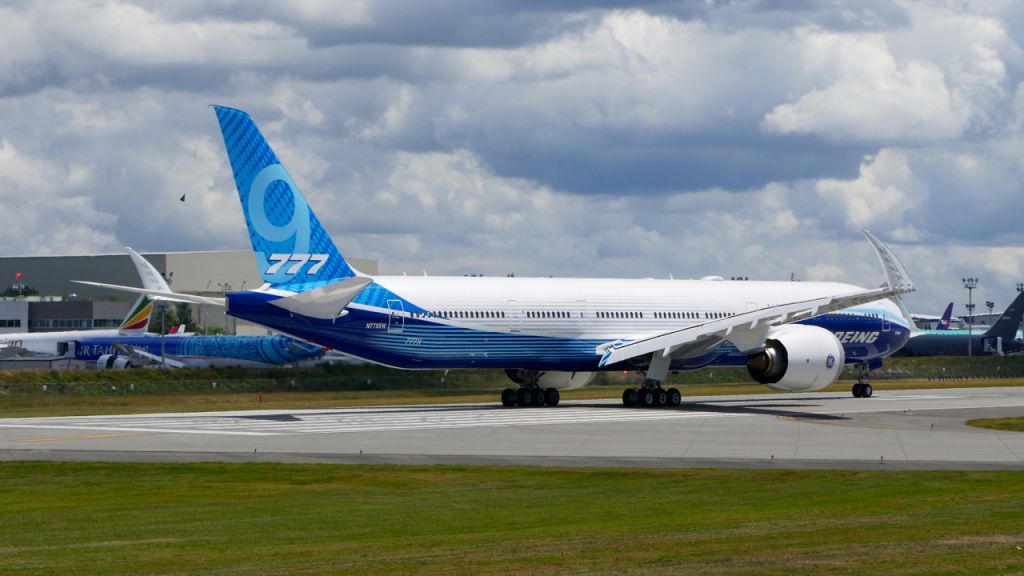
pixel 76 437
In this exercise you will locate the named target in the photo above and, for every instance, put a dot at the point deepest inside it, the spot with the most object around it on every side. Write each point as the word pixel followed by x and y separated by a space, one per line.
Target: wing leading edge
pixel 749 329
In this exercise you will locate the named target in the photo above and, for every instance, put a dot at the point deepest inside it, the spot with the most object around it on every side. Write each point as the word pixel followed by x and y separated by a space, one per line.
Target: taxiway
pixel 920 429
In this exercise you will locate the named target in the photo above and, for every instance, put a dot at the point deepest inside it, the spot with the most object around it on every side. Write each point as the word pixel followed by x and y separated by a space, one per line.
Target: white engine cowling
pixel 113 362
pixel 557 380
pixel 798 358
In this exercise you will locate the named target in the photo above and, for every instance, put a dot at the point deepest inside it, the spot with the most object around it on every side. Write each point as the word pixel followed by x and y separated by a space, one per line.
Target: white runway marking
pixel 340 421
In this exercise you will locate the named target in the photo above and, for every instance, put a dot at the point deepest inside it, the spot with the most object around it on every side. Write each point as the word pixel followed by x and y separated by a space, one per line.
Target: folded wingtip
pixel 896 275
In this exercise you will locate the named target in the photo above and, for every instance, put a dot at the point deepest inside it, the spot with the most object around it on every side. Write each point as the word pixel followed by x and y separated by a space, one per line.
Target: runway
pixel 920 429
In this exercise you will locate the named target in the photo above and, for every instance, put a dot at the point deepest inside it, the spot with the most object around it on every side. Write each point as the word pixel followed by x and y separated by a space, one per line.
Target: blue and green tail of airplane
pixel 293 251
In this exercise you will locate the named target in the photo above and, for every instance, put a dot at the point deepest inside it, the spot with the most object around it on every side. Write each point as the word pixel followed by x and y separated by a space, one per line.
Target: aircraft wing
pixel 158 294
pixel 149 358
pixel 749 329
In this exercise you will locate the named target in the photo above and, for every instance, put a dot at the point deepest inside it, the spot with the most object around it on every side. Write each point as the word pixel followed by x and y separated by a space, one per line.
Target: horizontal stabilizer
pixel 158 294
pixel 327 302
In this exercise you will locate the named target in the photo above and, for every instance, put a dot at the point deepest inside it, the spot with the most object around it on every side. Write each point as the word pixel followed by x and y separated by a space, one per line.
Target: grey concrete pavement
pixel 920 429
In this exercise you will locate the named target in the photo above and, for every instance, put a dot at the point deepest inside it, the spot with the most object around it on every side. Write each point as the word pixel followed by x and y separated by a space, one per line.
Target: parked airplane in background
pixel 54 343
pixel 194 351
pixel 946 317
pixel 1000 339
pixel 546 333
pixel 179 350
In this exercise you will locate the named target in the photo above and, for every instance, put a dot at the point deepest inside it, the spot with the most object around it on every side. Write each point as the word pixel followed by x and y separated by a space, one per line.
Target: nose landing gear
pixel 862 389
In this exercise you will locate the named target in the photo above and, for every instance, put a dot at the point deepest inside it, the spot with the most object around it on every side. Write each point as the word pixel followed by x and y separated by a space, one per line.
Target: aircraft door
pixel 581 309
pixel 396 322
pixel 515 317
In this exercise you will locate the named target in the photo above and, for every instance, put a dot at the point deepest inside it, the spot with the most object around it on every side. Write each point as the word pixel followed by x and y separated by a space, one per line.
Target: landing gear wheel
pixel 551 397
pixel 630 397
pixel 508 397
pixel 538 397
pixel 674 397
pixel 867 391
pixel 856 390
pixel 660 397
pixel 523 397
pixel 646 397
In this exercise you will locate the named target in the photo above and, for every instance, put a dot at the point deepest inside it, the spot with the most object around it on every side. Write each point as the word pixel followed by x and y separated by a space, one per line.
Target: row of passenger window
pixel 623 314
pixel 484 314
pixel 495 314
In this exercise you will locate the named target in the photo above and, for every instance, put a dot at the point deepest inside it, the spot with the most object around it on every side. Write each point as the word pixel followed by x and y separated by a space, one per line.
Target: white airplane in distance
pixel 135 323
pixel 546 333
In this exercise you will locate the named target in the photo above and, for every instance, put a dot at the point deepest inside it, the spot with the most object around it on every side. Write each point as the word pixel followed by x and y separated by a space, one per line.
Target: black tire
pixel 646 398
pixel 630 397
pixel 674 397
pixel 867 391
pixel 660 397
pixel 551 397
pixel 508 397
pixel 538 397
pixel 523 397
pixel 856 391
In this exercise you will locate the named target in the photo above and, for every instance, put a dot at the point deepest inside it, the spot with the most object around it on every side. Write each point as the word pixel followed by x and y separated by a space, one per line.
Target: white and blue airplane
pixel 548 334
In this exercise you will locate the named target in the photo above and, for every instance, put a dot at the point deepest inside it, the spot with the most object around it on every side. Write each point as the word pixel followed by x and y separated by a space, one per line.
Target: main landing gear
pixel 651 396
pixel 527 397
pixel 862 389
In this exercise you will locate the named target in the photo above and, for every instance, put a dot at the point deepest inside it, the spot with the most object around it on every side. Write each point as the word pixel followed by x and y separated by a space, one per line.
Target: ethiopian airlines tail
pixel 293 251
pixel 137 321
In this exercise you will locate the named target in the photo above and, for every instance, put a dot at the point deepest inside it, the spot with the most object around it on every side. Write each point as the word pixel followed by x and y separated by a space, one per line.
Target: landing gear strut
pixel 862 389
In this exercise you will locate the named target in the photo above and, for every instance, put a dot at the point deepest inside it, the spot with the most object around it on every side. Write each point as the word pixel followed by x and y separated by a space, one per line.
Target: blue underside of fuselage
pixel 420 343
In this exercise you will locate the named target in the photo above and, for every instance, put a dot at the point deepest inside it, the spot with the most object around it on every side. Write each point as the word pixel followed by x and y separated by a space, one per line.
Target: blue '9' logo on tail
pixel 293 251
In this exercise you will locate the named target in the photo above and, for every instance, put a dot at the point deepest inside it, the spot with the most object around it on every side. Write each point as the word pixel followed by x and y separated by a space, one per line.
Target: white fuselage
pixel 46 343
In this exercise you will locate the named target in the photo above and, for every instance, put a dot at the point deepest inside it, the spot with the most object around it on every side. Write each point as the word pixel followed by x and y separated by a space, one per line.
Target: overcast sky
pixel 576 138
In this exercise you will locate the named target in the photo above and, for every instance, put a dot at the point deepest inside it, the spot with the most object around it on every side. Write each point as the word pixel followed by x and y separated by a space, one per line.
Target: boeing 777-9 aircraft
pixel 546 333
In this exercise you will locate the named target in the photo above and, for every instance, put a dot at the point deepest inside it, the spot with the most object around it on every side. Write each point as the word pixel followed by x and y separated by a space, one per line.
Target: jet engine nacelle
pixel 113 362
pixel 558 380
pixel 797 358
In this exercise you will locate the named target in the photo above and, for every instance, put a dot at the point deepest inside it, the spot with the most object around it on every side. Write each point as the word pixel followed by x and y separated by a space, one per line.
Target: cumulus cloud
pixel 873 97
pixel 884 192
pixel 577 138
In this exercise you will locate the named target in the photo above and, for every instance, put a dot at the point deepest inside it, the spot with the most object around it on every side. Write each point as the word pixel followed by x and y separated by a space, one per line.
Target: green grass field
pixel 322 519
pixel 1009 424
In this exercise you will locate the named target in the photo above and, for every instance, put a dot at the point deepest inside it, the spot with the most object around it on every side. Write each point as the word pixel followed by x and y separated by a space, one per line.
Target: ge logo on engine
pixel 830 361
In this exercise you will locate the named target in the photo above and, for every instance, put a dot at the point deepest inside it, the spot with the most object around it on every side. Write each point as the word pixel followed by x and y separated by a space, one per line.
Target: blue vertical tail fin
pixel 947 316
pixel 293 251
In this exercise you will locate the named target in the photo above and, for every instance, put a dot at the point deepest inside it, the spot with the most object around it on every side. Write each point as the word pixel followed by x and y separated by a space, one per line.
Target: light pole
pixel 970 284
pixel 163 332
